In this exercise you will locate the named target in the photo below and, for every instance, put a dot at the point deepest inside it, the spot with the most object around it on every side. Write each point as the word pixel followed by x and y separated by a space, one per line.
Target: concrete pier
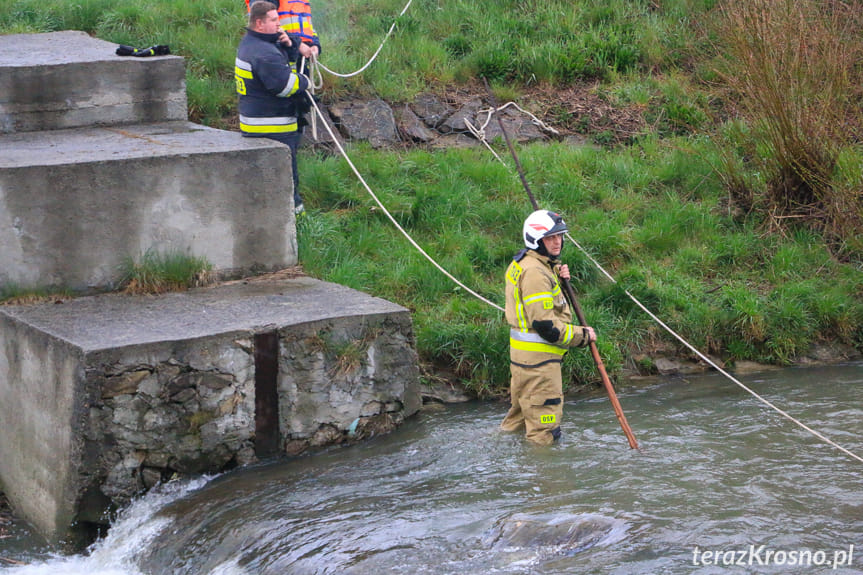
pixel 98 164
pixel 71 80
pixel 105 396
pixel 74 204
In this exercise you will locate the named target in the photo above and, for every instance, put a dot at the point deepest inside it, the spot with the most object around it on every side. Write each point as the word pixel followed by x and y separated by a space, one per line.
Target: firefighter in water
pixel 541 330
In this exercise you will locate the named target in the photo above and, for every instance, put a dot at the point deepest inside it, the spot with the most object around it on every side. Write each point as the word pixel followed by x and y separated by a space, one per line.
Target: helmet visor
pixel 559 226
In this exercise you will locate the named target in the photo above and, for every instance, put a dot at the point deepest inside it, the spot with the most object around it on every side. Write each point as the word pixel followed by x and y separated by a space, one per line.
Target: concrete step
pixel 104 396
pixel 75 203
pixel 69 79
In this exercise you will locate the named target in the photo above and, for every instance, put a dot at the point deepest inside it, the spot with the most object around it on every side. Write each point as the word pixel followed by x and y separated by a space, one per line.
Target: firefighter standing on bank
pixel 267 84
pixel 541 330
pixel 295 18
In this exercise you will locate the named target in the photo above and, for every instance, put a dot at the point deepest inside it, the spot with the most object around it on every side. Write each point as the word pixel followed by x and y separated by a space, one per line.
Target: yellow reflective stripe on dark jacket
pixel 271 125
pixel 268 87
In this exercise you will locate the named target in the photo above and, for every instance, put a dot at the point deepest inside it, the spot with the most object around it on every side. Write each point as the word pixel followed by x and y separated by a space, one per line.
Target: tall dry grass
pixel 793 67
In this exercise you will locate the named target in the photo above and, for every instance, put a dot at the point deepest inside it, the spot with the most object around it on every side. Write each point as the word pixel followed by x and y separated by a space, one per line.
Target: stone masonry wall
pixel 346 380
pixel 188 407
pixel 176 408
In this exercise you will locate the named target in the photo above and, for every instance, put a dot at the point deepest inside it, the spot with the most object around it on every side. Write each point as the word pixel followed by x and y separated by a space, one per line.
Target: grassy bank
pixel 732 209
pixel 655 215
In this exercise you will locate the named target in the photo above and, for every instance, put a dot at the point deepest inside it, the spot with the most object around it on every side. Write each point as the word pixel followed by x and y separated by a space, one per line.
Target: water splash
pixel 128 538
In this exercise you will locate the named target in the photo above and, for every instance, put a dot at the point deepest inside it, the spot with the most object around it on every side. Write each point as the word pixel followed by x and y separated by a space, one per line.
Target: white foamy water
pixel 129 537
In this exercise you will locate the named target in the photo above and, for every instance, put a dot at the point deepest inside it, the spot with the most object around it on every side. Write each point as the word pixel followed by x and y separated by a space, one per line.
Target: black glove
pixel 159 50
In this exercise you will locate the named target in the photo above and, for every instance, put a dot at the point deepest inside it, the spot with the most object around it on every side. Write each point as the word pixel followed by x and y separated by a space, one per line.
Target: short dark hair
pixel 258 10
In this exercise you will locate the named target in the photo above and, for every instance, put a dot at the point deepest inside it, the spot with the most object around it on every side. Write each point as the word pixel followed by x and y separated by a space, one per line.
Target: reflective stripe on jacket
pixel 295 17
pixel 265 83
pixel 533 295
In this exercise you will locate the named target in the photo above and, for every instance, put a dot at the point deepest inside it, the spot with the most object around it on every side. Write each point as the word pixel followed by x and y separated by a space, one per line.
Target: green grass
pixel 436 43
pixel 14 293
pixel 721 282
pixel 159 272
pixel 687 213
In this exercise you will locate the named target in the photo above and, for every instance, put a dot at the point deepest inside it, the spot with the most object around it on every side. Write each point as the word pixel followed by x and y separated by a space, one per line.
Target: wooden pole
pixel 600 367
pixel 569 292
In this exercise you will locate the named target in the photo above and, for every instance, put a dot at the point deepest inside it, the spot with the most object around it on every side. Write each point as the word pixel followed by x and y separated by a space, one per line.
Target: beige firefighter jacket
pixel 541 328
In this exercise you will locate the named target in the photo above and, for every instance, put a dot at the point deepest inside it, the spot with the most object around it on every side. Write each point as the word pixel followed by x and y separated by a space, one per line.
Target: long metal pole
pixel 569 292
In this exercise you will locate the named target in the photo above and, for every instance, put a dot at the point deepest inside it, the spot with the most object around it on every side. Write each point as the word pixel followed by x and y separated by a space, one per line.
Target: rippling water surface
pixel 717 472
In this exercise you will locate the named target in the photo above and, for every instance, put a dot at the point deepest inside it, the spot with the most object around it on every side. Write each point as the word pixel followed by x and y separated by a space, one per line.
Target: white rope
pixel 314 84
pixel 316 80
pixel 479 133
pixel 391 218
pixel 713 364
pixel 375 55
pixel 680 338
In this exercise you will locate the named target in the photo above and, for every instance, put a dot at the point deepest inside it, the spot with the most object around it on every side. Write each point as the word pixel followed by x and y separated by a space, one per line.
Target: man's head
pixel 552 245
pixel 543 231
pixel 264 17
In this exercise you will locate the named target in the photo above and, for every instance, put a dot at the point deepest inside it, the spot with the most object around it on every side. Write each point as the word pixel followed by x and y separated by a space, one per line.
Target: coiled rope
pixel 479 133
pixel 316 80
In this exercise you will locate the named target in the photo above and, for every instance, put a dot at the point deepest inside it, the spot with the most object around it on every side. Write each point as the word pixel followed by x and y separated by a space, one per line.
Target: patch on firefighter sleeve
pixel 513 273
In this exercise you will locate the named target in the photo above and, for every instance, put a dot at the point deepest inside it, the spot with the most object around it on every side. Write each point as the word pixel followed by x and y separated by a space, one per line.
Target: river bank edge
pixel 441 384
pixel 446 389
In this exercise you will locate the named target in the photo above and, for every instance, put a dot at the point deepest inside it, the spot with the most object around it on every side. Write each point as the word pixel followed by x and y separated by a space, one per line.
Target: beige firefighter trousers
pixel 536 394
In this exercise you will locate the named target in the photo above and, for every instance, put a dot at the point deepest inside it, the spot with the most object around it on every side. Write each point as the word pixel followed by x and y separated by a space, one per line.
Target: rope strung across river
pixel 609 276
pixel 713 364
pixel 480 134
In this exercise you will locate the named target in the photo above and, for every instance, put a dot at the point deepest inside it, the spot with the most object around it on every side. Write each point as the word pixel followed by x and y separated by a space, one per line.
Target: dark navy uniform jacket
pixel 266 81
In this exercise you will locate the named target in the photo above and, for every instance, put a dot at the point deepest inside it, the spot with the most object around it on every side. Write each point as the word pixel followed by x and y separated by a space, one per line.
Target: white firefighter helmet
pixel 541 224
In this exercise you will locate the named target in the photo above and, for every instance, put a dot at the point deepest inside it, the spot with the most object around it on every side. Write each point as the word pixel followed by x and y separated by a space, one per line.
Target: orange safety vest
pixel 295 17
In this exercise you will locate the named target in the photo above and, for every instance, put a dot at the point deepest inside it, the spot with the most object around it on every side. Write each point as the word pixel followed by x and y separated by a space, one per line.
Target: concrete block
pixel 75 203
pixel 68 80
pixel 102 396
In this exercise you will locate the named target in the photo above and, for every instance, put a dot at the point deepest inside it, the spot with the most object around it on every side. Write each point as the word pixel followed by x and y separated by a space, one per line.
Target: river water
pixel 719 480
